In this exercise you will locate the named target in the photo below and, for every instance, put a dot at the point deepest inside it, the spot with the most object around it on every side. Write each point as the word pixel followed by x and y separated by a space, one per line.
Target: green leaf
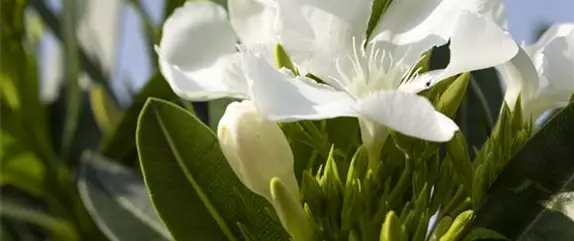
pixel 25 171
pixel 8 234
pixel 118 201
pixel 19 164
pixel 20 93
pixel 121 145
pixel 194 190
pixel 544 167
pixel 484 234
pixel 377 10
pixel 74 93
pixel 60 229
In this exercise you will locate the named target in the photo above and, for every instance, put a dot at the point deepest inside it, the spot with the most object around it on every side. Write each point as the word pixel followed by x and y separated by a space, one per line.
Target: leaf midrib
pixel 211 209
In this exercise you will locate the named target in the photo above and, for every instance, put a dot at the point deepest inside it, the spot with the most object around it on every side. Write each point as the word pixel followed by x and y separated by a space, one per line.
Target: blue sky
pixel 525 16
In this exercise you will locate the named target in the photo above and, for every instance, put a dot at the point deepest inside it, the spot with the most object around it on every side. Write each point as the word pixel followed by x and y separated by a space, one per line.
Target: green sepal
pixel 290 211
pixel 422 227
pixel 457 150
pixel 332 186
pixel 441 228
pixel 458 225
pixel 352 204
pixel 451 98
pixel 392 229
pixel 312 193
pixel 282 60
pixel 517 120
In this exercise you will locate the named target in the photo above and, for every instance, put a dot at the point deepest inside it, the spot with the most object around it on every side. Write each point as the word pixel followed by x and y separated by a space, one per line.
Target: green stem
pixel 74 93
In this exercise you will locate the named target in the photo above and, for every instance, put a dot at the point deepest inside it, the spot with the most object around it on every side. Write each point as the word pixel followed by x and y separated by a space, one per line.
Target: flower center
pixel 363 72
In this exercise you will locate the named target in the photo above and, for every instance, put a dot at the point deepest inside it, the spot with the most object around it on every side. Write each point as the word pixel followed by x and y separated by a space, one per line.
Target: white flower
pixel 377 83
pixel 197 53
pixel 256 149
pixel 542 73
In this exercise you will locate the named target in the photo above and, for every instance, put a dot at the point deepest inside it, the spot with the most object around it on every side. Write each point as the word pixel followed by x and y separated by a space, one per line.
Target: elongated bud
pixel 458 225
pixel 457 150
pixel 392 229
pixel 441 228
pixel 290 211
pixel 450 100
pixel 256 149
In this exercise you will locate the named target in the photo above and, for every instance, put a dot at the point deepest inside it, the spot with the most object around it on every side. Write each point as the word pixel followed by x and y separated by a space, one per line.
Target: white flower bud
pixel 256 149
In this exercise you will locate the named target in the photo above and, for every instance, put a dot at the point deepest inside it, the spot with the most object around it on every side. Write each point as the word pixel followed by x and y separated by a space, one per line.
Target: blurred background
pixel 124 48
pixel 76 73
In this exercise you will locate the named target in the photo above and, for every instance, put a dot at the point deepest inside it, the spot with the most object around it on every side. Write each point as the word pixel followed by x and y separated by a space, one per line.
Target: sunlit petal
pixel 196 53
pixel 555 31
pixel 520 77
pixel 281 96
pixel 318 33
pixel 253 20
pixel 409 114
pixel 477 43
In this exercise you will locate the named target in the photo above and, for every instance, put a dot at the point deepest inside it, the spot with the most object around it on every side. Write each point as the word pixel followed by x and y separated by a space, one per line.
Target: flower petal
pixel 409 114
pixel 558 70
pixel 409 21
pixel 283 97
pixel 520 77
pixel 414 27
pixel 477 43
pixel 317 33
pixel 196 53
pixel 253 20
pixel 555 31
pixel 224 78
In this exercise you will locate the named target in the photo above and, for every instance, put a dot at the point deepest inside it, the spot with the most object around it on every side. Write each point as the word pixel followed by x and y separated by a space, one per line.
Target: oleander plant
pixel 360 120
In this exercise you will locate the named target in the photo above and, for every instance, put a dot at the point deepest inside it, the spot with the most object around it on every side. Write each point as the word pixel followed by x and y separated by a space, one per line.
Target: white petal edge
pixel 520 77
pixel 196 53
pixel 318 33
pixel 477 43
pixel 224 78
pixel 410 21
pixel 280 96
pixel 555 31
pixel 408 114
pixel 253 20
pixel 558 70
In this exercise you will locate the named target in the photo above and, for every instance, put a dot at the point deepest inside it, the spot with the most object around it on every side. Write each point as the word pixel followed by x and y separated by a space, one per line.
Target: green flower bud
pixel 256 149
pixel 312 193
pixel 441 228
pixel 450 100
pixel 458 152
pixel 392 229
pixel 290 212
pixel 457 227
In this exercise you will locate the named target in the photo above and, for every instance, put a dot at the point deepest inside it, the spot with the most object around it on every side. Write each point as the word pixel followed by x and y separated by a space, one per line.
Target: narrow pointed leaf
pixel 541 169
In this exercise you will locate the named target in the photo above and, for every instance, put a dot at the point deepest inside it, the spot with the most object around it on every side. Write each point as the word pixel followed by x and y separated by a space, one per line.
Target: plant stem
pixel 74 93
